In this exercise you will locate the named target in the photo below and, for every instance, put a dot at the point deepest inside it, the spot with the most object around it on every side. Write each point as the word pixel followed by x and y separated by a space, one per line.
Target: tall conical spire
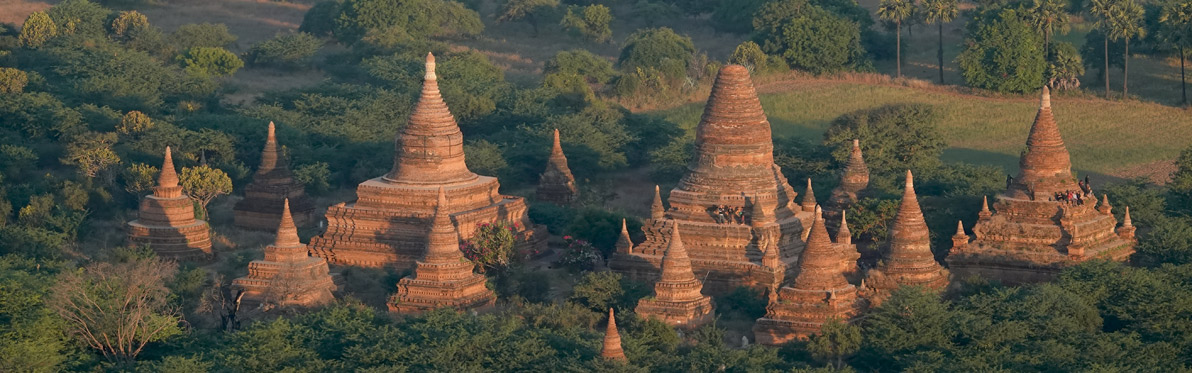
pixel 808 203
pixel 909 236
pixel 430 149
pixel 612 340
pixel 168 177
pixel 443 241
pixel 556 148
pixel 624 244
pixel 286 247
pixel 844 236
pixel 984 214
pixel 657 211
pixel 819 264
pixel 1126 222
pixel 733 121
pixel 676 266
pixel 271 161
pixel 1045 165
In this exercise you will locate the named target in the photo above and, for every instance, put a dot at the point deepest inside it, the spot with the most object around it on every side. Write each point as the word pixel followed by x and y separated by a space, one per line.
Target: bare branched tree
pixel 119 308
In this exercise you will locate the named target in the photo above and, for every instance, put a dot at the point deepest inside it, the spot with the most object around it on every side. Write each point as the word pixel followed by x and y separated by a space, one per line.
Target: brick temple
pixel 287 275
pixel 166 221
pixel 819 293
pixel 677 298
pixel 1030 235
pixel 730 204
pixel 442 277
pixel 909 260
pixel 272 183
pixel 386 225
pixel 556 185
pixel 611 349
pixel 854 178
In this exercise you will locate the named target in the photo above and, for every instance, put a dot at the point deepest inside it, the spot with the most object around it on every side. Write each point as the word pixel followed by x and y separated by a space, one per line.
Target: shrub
pixel 654 48
pixel 749 302
pixel 593 68
pixel 579 255
pixel 553 216
pixel 592 22
pixel 320 19
pixel 1064 66
pixel 894 138
pixel 604 289
pixel 211 61
pixel 212 35
pixel 38 29
pixel 127 24
pixel 750 55
pixel 1002 54
pixel 491 248
pixel 285 49
pixel 12 81
pixel 315 176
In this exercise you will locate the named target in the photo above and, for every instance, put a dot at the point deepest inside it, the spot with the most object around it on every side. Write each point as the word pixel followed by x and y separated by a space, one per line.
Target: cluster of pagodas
pixel 415 216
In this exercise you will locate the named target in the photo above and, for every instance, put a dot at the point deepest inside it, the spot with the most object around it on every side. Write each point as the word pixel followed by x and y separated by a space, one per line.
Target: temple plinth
pixel 731 202
pixel 166 221
pixel 386 224
pixel 288 275
pixel 909 260
pixel 1031 234
pixel 677 298
pixel 556 185
pixel 443 277
pixel 611 350
pixel 272 183
pixel 853 179
pixel 819 294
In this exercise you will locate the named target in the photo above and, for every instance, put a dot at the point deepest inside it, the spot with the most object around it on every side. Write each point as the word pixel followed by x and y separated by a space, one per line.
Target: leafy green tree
pixel 1125 22
pixel 602 290
pixel 193 35
pixel 203 184
pixel 492 247
pixel 909 323
pixel 118 308
pixel 134 122
pixel 894 138
pixel 835 342
pixel 528 10
pixel 12 81
pixel 1064 66
pixel 1002 53
pixel 37 29
pixel 1180 187
pixel 211 61
pixel 284 49
pixel 320 19
pixel 594 69
pixel 896 11
pixel 750 55
pixel 485 157
pixel 1048 17
pixel 1166 240
pixel 81 17
pixel 315 176
pixel 1175 30
pixel 127 23
pixel 592 22
pixel 139 178
pixel 406 20
pixel 940 12
pixel 809 37
pixel 34 338
pixel 91 153
pixel 654 48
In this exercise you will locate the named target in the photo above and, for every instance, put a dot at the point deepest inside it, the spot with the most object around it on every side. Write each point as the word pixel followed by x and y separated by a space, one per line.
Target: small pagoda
pixel 287 276
pixel 819 293
pixel 612 341
pixel 443 277
pixel 386 224
pixel 272 184
pixel 909 261
pixel 556 185
pixel 730 204
pixel 853 179
pixel 677 299
pixel 166 221
pixel 1035 230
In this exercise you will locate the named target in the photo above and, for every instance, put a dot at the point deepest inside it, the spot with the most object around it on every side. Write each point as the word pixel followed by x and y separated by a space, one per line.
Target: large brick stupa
pixel 732 202
pixel 166 220
pixel 1031 235
pixel 387 223
pixel 287 275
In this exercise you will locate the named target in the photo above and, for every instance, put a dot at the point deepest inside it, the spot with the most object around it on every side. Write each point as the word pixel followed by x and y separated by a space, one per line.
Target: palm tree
pixel 940 12
pixel 1175 29
pixel 896 11
pixel 1048 16
pixel 1126 23
pixel 1103 11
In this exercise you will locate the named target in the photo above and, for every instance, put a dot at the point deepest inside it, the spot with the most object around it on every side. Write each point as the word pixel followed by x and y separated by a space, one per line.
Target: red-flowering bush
pixel 492 246
pixel 579 255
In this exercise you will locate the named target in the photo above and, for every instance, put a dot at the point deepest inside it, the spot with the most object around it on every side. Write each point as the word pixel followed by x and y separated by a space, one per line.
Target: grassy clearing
pixel 1106 137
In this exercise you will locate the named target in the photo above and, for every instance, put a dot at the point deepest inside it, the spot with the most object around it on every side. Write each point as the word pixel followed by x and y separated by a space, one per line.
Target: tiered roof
pixel 287 275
